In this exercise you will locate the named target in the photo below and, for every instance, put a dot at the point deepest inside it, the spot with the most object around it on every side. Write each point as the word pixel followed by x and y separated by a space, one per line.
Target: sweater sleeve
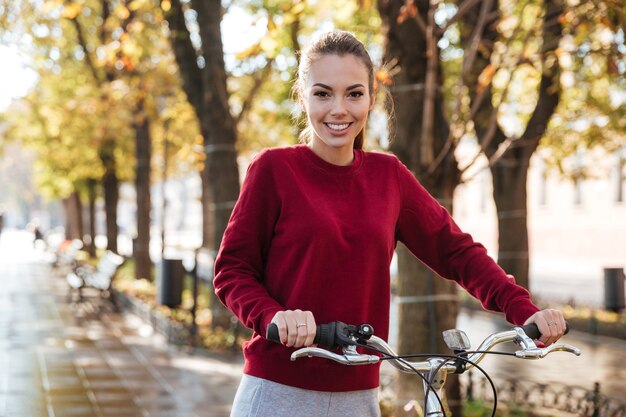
pixel 240 263
pixel 430 233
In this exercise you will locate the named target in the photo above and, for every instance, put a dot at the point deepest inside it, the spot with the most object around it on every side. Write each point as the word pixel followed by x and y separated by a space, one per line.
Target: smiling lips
pixel 338 127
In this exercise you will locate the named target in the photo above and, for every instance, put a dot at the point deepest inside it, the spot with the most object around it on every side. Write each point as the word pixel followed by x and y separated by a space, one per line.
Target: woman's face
pixel 337 101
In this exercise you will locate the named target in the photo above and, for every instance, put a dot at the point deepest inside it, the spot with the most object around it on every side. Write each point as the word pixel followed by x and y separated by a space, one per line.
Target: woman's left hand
pixel 551 324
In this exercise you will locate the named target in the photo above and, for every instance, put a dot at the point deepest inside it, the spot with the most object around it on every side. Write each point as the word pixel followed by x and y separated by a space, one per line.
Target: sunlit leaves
pixel 50 6
pixel 485 77
pixel 407 11
pixel 592 112
pixel 71 10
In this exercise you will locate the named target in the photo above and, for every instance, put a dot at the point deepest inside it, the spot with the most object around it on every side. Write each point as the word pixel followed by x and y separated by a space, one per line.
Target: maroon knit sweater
pixel 306 234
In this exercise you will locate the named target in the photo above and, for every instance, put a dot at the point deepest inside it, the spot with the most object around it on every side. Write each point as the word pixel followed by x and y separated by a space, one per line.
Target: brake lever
pixel 350 355
pixel 538 353
pixel 531 351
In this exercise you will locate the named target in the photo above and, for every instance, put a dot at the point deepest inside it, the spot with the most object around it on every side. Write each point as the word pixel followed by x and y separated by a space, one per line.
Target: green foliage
pixel 483 409
pixel 262 74
pixel 592 109
pixel 92 73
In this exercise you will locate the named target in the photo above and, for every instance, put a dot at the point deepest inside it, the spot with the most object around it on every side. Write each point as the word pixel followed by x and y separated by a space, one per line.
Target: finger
pixel 311 329
pixel 555 329
pixel 281 324
pixel 542 324
pixel 301 328
pixel 563 324
pixel 292 330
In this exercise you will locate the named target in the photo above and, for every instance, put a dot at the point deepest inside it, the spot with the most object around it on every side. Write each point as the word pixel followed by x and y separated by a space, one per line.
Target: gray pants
pixel 257 397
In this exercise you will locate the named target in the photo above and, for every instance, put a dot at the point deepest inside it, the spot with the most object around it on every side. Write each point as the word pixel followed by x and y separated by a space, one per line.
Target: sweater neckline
pixel 332 168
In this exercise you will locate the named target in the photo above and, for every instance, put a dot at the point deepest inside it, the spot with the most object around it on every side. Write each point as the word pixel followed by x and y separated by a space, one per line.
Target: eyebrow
pixel 330 88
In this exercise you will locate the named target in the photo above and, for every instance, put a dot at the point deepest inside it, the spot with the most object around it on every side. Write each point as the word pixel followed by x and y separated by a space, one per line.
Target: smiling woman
pixel 15 78
pixel 312 236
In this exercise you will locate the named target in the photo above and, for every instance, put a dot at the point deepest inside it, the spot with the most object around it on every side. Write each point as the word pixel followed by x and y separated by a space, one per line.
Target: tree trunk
pixel 110 185
pixel 206 90
pixel 91 194
pixel 73 217
pixel 207 230
pixel 143 148
pixel 421 294
pixel 509 169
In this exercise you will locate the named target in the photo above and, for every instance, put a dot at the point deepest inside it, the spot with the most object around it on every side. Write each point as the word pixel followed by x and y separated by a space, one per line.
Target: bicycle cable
pixel 401 358
pixel 387 356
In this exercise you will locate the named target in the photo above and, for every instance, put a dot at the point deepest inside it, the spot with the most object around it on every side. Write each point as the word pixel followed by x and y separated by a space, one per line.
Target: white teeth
pixel 337 127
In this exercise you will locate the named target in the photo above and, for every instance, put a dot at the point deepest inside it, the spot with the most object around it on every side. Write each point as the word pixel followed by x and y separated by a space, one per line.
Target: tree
pixel 205 87
pixel 129 37
pixel 531 47
pixel 421 144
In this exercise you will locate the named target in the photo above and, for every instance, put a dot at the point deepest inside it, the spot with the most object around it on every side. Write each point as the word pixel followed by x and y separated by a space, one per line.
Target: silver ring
pixel 300 325
pixel 552 323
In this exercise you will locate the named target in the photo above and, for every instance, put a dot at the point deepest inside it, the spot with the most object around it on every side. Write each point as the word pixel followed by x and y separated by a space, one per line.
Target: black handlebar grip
pixel 324 335
pixel 532 330
pixel 272 333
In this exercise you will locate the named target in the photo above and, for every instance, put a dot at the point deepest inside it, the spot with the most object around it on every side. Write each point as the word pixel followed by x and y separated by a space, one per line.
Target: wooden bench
pixel 67 253
pixel 99 279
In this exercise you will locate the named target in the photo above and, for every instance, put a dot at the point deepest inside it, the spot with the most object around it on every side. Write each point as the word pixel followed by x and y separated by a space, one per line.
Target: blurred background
pixel 127 125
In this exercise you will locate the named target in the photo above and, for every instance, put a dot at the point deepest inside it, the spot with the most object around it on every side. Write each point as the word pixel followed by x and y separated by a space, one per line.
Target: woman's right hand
pixel 295 327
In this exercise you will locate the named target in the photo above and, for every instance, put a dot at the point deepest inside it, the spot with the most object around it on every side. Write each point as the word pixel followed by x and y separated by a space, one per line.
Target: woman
pixel 311 240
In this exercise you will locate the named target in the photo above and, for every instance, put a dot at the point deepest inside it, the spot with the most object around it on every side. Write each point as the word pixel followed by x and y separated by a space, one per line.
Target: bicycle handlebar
pixel 333 335
pixel 337 334
pixel 434 369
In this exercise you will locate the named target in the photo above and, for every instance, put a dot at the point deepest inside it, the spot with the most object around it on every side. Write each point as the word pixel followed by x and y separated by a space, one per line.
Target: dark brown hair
pixel 339 43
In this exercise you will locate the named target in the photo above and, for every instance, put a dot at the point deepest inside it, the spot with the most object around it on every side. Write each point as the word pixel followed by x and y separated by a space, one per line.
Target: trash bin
pixel 614 289
pixel 170 282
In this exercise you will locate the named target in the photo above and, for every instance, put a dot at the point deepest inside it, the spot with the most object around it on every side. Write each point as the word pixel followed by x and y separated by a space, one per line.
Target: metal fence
pixel 544 397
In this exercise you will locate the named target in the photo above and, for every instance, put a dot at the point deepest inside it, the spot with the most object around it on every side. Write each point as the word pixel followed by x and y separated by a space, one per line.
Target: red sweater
pixel 309 235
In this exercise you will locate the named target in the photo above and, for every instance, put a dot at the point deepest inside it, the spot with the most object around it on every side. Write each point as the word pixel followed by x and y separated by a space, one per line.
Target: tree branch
pixel 259 79
pixel 476 37
pixel 549 88
pixel 427 151
pixel 83 44
pixel 465 7
pixel 185 55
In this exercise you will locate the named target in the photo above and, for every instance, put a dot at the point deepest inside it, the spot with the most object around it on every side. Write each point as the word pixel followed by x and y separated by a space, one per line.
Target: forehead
pixel 337 70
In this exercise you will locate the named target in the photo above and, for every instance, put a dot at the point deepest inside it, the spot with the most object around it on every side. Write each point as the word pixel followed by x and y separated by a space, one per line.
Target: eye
pixel 356 94
pixel 321 94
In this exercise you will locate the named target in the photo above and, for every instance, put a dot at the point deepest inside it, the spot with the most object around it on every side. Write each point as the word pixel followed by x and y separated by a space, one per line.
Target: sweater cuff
pixel 520 313
pixel 266 319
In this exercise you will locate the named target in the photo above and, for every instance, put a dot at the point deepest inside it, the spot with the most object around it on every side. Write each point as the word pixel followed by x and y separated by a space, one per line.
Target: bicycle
pixel 435 368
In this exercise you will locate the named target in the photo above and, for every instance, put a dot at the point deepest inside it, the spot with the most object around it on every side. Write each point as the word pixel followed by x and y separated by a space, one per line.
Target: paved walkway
pixel 59 361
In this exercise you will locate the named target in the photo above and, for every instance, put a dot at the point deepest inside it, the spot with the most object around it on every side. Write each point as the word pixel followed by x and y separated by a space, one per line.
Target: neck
pixel 337 156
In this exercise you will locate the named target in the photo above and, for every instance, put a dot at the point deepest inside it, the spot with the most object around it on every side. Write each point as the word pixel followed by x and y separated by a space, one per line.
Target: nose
pixel 339 107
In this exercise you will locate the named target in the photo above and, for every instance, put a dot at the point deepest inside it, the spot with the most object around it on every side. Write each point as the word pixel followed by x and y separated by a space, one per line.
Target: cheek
pixel 314 110
pixel 362 110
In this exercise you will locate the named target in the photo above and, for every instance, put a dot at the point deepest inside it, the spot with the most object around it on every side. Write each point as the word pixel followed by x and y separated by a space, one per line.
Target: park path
pixel 60 361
